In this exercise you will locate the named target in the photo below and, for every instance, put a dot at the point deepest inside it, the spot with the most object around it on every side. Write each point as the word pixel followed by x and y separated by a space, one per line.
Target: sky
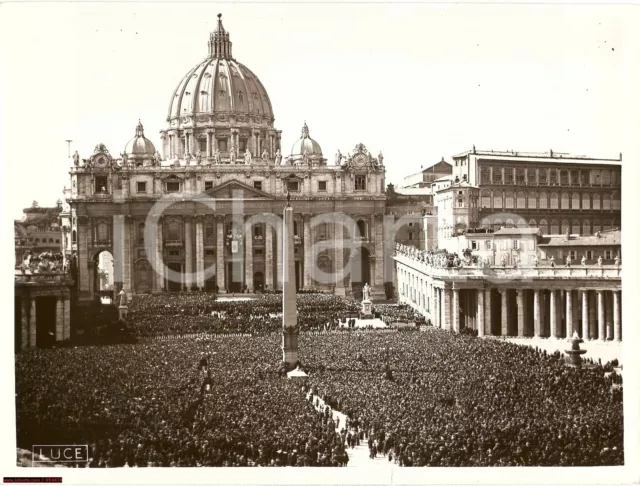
pixel 416 81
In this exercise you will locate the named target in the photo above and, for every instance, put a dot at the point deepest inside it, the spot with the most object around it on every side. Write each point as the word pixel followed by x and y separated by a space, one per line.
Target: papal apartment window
pixel 258 251
pixel 141 187
pixel 322 186
pixel 257 231
pixel 572 254
pixel 203 145
pixel 222 144
pixel 243 145
pixel 173 187
pixel 474 245
pixel 101 185
pixel 361 183
pixel 293 186
pixel 589 255
pixel 208 185
pixel 257 185
pixel 209 231
pixel 607 254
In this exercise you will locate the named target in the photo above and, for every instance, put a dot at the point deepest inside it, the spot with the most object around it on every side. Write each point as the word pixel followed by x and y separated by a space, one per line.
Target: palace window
pixel 293 186
pixel 589 254
pixel 497 176
pixel 258 251
pixel 606 202
pixel 616 201
pixel 564 201
pixel 521 200
pixel 606 177
pixel 573 255
pixel 361 183
pixel 553 177
pixel 243 145
pixel 586 228
pixel 222 144
pixel 487 245
pixel 485 199
pixel 533 200
pixel 584 177
pixel 544 226
pixel 174 253
pixel 586 201
pixel 410 235
pixel 542 177
pixel 322 186
pixel 596 202
pixel 555 227
pixel 141 187
pixel 508 175
pixel 208 185
pixel 73 236
pixel 543 201
pixel 209 233
pixel 575 227
pixel 575 178
pixel 520 176
pixel 101 185
pixel 173 232
pixel 575 201
pixel 202 142
pixel 257 185
pixel 485 175
pixel 607 254
pixel 508 200
pixel 209 252
pixel 597 226
pixel 564 177
pixel 497 200
pixel 173 186
pixel 565 226
pixel 257 231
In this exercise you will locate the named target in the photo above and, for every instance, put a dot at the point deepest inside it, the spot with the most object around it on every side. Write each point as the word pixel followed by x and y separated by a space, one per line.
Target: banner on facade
pixel 234 247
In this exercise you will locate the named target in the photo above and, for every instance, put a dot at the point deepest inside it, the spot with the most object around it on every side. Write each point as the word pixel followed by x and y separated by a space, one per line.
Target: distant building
pixel 426 177
pixel 38 232
pixel 408 207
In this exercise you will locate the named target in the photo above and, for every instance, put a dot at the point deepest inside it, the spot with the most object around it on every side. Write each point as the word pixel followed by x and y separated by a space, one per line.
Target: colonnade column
pixel 456 311
pixel 536 314
pixel 617 323
pixel 188 255
pixel 32 323
pixel 59 319
pixel 601 324
pixel 568 321
pixel 553 315
pixel 268 257
pixel 220 253
pixel 24 325
pixel 339 258
pixel 503 316
pixel 199 253
pixel 278 279
pixel 520 302
pixel 480 312
pixel 308 264
pixel 248 257
pixel 436 308
pixel 66 333
pixel 585 315
pixel 446 314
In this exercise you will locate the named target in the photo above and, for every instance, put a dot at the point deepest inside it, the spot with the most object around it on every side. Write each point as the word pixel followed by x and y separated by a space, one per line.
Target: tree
pixel 35 204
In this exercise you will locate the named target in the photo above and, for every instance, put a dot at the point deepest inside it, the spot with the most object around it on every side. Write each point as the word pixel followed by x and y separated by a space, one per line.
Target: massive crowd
pixel 423 398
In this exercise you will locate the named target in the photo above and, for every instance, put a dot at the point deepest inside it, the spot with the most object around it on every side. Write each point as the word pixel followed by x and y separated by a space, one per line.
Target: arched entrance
pixel 360 271
pixel 103 276
pixel 142 276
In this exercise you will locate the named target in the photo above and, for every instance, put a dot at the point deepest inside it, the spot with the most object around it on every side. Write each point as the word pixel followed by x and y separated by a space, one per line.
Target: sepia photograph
pixel 384 240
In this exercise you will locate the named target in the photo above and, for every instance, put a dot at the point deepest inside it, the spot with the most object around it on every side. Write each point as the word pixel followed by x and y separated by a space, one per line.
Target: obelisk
pixel 289 312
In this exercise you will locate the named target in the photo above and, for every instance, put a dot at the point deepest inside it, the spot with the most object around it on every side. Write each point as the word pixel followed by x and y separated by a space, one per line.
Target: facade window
pixel 174 231
pixel 508 200
pixel 572 254
pixel 410 235
pixel 564 177
pixel 410 224
pixel 173 187
pixel 243 145
pixel 257 231
pixel 102 232
pixel 607 254
pixel 209 252
pixel 258 251
pixel 497 199
pixel 520 176
pixel 575 178
pixel 533 223
pixel 555 227
pixel 257 185
pixel 361 183
pixel 575 201
pixel 497 176
pixel 208 185
pixel 101 185
pixel 584 177
pixel 293 186
pixel 474 245
pixel 209 231
pixel 565 226
pixel 295 228
pixel 616 202
pixel 516 244
pixel 73 236
pixel 141 233
pixel 589 255
pixel 533 200
pixel 57 241
pixel 174 253
pixel 202 142
pixel 542 177
pixel 575 227
pixel 605 177
pixel 596 202
pixel 141 187
pixel 485 175
pixel 553 177
pixel 521 200
pixel 485 199
pixel 222 144
pixel 553 201
pixel 586 227
pixel 606 202
pixel 460 203
pixel 487 245
pixel 564 201
pixel 597 226
pixel 544 226
pixel 543 201
pixel 508 175
pixel 586 201
pixel 322 186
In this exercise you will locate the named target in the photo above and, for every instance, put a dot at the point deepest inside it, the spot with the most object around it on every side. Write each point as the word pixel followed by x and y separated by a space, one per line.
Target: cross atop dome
pixel 219 43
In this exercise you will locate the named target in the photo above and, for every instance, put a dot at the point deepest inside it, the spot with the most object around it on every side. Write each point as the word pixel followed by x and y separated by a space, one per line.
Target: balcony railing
pixel 173 243
pixel 42 278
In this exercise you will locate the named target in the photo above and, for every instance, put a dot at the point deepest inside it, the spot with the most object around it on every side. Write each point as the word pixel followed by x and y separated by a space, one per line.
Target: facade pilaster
pixel 617 322
pixel 248 257
pixel 456 311
pixel 59 319
pixel 536 314
pixel 220 270
pixel 159 256
pixel 585 315
pixel 480 310
pixel 24 325
pixel 67 318
pixel 32 323
pixel 601 323
pixel 446 309
pixel 339 258
pixel 268 257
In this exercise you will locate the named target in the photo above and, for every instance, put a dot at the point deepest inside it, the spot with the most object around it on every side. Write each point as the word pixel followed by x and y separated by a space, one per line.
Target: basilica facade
pixel 206 212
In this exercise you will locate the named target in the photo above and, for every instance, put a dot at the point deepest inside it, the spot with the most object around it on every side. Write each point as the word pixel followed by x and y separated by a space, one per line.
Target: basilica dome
pixel 220 85
pixel 140 146
pixel 305 146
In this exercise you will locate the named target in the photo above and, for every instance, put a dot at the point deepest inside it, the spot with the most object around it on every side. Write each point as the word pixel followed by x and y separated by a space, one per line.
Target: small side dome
pixel 140 150
pixel 306 150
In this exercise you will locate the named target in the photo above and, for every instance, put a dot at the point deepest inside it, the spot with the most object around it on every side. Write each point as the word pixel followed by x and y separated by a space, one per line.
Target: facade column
pixel 188 254
pixel 278 279
pixel 504 316
pixel 520 303
pixel 593 320
pixel 446 311
pixel 568 322
pixel 377 231
pixel 480 311
pixel 59 319
pixel 487 312
pixel 585 315
pixel 308 261
pixel 575 298
pixel 214 141
pixel 248 257
pixel 601 324
pixel 536 314
pixel 32 323
pixel 268 257
pixel 24 325
pixel 339 258
pixel 456 311
pixel 159 257
pixel 436 307
pixel 67 318
pixel 220 281
pixel 553 314
pixel 617 322
pixel 200 252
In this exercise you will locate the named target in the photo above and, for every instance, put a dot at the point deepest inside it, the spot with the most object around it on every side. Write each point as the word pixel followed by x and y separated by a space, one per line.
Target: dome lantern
pixel 219 43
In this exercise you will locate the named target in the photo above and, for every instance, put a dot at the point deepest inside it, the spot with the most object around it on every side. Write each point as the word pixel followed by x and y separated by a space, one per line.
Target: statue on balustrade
pixel 278 157
pixel 216 156
pixel 552 260
pixel 380 158
pixel 265 155
pixel 187 158
pixel 616 261
pixel 122 298
pixel 76 159
pixel 583 262
pixel 157 159
pixel 198 157
pixel 568 261
pixel 600 261
pixel 338 157
pixel 232 155
pixel 247 156
pixel 125 160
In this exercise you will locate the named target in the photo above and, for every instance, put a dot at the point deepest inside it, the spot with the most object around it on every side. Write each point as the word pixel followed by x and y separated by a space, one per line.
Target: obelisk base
pixel 290 349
